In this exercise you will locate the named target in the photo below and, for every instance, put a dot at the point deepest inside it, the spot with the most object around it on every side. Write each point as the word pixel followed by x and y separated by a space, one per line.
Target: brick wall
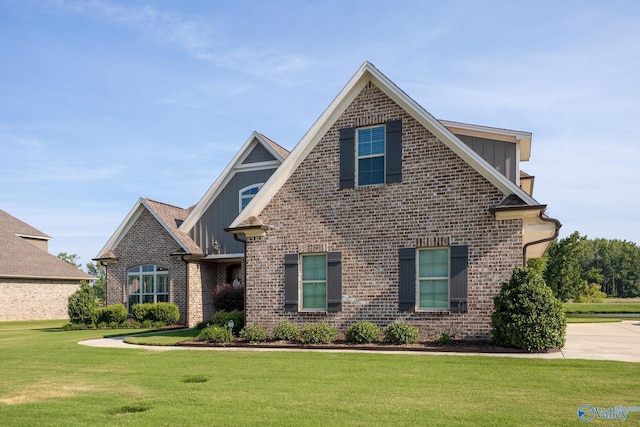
pixel 34 299
pixel 440 199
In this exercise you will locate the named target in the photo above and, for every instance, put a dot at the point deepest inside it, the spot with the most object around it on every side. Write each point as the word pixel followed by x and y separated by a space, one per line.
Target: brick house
pixel 34 284
pixel 166 253
pixel 383 213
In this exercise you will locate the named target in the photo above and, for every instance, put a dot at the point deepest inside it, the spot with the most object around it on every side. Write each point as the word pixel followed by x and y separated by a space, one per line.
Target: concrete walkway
pixel 618 341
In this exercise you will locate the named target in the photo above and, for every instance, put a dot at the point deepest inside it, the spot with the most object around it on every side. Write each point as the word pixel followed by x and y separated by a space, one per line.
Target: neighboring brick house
pixel 34 284
pixel 383 213
pixel 166 253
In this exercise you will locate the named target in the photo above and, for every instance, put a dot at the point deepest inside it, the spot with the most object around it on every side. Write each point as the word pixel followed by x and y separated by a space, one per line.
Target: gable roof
pixel 367 72
pixel 168 216
pixel 235 165
pixel 21 259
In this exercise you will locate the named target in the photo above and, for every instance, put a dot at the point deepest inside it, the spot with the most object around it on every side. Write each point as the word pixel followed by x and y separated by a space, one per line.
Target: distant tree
pixel 72 259
pixel 564 267
pixel 99 285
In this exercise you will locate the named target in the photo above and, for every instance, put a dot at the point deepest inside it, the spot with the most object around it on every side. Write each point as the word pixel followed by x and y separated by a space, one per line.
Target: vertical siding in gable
pixel 258 154
pixel 223 211
pixel 500 154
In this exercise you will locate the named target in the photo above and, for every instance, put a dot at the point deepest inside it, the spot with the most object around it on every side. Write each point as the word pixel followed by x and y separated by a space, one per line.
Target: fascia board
pixel 27 236
pixel 268 146
pixel 218 185
pixel 124 226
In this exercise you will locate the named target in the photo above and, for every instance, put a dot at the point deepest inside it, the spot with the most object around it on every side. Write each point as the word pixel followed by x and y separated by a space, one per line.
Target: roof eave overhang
pixel 515 212
pixel 248 231
pixel 34 277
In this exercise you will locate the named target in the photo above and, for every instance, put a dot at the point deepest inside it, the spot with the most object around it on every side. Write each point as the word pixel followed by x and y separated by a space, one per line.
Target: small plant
pixel 111 314
pixel 253 333
pixel 286 331
pixel 445 339
pixel 401 333
pixel 319 333
pixel 363 333
pixel 221 318
pixel 527 315
pixel 228 298
pixel 82 304
pixel 215 334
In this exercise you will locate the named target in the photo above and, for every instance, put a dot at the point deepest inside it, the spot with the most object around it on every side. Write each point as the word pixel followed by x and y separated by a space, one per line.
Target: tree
pixel 82 305
pixel 99 285
pixel 564 268
pixel 70 258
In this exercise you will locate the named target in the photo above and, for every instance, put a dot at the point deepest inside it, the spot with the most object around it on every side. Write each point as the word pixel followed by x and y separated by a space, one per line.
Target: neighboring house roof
pixel 235 165
pixel 22 260
pixel 245 221
pixel 170 217
pixel 20 228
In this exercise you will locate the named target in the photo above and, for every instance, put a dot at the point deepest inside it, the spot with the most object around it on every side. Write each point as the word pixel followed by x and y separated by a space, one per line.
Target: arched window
pixel 247 193
pixel 147 283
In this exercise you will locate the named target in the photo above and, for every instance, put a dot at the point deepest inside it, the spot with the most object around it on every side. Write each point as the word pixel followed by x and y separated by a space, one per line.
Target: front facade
pixel 34 285
pixel 164 253
pixel 382 213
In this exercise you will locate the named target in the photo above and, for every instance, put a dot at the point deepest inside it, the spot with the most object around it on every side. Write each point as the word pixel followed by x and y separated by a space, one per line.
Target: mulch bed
pixel 457 346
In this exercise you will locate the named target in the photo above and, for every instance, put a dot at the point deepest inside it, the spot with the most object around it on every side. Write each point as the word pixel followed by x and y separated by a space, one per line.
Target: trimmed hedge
pixel 319 333
pixel 163 312
pixel 363 333
pixel 401 333
pixel 527 315
pixel 286 331
pixel 215 334
pixel 253 333
pixel 111 315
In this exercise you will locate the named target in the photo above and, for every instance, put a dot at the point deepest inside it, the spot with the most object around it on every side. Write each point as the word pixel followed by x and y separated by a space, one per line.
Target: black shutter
pixel 394 151
pixel 291 282
pixel 347 157
pixel 334 281
pixel 407 279
pixel 458 278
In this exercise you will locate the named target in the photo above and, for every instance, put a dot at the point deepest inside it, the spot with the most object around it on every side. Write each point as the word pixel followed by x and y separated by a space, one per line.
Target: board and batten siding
pixel 500 154
pixel 222 212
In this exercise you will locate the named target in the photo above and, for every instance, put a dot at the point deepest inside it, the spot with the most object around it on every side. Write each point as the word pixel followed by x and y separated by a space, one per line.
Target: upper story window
pixel 147 284
pixel 247 193
pixel 371 154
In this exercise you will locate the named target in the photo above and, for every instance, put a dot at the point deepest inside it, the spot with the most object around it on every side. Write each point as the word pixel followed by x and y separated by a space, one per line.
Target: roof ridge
pixel 165 204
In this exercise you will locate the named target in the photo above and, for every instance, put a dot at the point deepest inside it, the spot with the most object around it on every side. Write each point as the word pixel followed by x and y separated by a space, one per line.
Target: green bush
pixel 363 333
pixel 401 333
pixel 215 334
pixel 228 298
pixel 221 318
pixel 527 315
pixel 286 331
pixel 253 333
pixel 318 333
pixel 445 339
pixel 111 314
pixel 82 305
pixel 162 313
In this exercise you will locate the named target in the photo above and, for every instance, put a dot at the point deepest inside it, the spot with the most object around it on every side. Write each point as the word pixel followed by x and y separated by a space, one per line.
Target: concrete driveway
pixel 618 341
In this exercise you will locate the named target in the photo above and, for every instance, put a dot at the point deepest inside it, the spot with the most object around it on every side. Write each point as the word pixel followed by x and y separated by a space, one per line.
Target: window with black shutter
pixel 313 282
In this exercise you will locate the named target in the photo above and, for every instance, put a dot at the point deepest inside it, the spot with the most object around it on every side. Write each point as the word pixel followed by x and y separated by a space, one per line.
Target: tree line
pixel 587 270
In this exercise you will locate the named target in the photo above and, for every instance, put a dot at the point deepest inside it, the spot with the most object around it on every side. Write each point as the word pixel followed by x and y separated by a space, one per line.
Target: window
pixel 371 155
pixel 433 279
pixel 247 193
pixel 317 287
pixel 371 151
pixel 147 284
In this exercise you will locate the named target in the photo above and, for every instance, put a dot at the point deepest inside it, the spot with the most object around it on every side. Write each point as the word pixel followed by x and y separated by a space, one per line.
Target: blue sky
pixel 103 102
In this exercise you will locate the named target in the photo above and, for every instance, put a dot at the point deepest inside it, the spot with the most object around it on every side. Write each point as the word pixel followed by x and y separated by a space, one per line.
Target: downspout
pixel 244 274
pixel 544 218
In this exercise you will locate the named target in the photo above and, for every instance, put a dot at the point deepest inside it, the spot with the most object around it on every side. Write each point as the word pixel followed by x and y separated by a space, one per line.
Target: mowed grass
pixel 47 379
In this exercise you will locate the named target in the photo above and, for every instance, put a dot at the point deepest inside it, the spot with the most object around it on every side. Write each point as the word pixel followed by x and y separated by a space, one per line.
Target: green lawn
pixel 48 379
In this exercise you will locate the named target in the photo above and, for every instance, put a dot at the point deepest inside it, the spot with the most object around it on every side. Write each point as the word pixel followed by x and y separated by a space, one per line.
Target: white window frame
pixel 302 282
pixel 371 156
pixel 435 278
pixel 247 197
pixel 154 274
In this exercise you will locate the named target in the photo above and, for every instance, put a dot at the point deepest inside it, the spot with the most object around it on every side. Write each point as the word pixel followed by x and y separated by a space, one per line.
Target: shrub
pixel 82 304
pixel 401 333
pixel 111 314
pixel 592 294
pixel 527 315
pixel 319 333
pixel 253 333
pixel 286 331
pixel 221 318
pixel 161 313
pixel 228 298
pixel 363 333
pixel 444 339
pixel 215 334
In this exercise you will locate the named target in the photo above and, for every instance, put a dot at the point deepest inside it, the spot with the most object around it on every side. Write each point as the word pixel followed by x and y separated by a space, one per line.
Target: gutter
pixel 544 218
